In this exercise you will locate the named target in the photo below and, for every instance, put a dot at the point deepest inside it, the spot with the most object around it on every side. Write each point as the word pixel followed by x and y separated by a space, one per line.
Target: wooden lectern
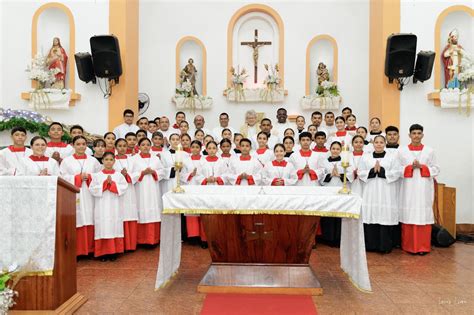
pixel 56 293
pixel 260 254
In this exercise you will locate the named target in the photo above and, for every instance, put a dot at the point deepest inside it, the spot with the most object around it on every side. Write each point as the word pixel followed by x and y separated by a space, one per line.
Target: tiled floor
pixel 439 283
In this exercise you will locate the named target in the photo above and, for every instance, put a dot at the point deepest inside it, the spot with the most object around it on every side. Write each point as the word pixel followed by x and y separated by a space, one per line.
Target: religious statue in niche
pixel 57 61
pixel 189 74
pixel 322 73
pixel 452 57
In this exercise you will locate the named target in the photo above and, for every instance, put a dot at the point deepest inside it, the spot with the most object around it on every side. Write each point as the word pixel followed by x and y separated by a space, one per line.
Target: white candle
pixel 179 154
pixel 345 155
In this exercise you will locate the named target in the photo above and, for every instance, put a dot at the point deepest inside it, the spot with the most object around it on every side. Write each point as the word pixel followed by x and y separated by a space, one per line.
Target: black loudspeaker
pixel 424 66
pixel 106 56
pixel 440 237
pixel 400 55
pixel 84 66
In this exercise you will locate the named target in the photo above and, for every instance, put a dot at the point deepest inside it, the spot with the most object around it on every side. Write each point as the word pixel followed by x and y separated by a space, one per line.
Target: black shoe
pixel 422 253
pixel 103 259
pixel 204 245
pixel 113 257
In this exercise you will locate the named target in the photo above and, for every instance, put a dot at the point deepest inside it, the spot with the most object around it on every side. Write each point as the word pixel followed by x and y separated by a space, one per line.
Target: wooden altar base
pixel 68 307
pixel 260 279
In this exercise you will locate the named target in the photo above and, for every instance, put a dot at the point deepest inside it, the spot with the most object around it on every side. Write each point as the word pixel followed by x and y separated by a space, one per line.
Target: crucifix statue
pixel 255 45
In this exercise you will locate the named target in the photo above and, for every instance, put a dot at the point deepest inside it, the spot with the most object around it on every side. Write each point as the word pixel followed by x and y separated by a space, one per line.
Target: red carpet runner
pixel 258 304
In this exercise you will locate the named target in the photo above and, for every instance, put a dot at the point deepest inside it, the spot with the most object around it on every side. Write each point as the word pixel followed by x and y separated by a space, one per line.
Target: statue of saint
pixel 322 73
pixel 451 57
pixel 57 59
pixel 189 73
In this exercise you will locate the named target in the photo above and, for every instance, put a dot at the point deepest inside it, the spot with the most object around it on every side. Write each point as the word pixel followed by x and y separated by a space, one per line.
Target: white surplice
pixel 33 166
pixel 62 148
pixel 108 217
pixel 300 159
pixel 128 201
pixel 380 196
pixel 70 170
pixel 279 170
pixel 417 192
pixel 147 187
pixel 215 167
pixel 11 160
pixel 249 165
pixel 263 155
pixel 121 130
pixel 328 166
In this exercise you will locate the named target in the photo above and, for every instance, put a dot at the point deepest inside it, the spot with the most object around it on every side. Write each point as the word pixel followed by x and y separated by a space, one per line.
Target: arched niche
pixel 55 9
pixel 262 14
pixel 446 21
pixel 192 47
pixel 322 48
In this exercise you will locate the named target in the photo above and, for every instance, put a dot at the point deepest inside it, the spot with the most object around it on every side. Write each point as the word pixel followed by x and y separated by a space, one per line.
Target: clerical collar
pixel 35 158
pixel 13 149
pixel 334 159
pixel 305 153
pixel 79 157
pixel 237 151
pixel 300 131
pixel 378 155
pixel 393 146
pixel 211 158
pixel 281 163
pixel 376 132
pixel 52 144
pixel 288 154
pixel 415 148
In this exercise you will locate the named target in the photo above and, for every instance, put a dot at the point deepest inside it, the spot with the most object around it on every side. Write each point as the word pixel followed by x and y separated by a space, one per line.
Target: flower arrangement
pixel 467 69
pixel 7 294
pixel 186 99
pixel 273 75
pixel 38 71
pixel 238 79
pixel 327 89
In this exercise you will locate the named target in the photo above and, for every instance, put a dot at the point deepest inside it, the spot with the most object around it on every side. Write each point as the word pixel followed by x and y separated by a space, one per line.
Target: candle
pixel 179 154
pixel 345 155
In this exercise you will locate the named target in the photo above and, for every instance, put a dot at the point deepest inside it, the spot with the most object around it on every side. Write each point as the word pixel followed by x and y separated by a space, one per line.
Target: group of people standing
pixel 123 177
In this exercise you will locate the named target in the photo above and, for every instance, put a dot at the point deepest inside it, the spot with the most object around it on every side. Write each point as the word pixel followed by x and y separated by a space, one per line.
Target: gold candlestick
pixel 178 189
pixel 345 189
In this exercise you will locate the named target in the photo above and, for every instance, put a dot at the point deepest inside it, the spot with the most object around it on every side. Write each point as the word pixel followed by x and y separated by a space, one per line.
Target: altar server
pixel 417 193
pixel 169 161
pixel 128 201
pixel 380 172
pixel 306 163
pixel 147 171
pixel 132 140
pixel 368 147
pixel 99 149
pixel 109 138
pixel 38 163
pixel 263 154
pixel 107 186
pixel 77 130
pixel 57 149
pixel 77 170
pixel 375 129
pixel 186 143
pixel 351 122
pixel 393 136
pixel 342 136
pixel 289 144
pixel 245 170
pixel 11 157
pixel 300 124
pixel 279 172
pixel 266 126
pixel 329 125
pixel 195 177
pixel 331 227
pixel 213 169
pixel 356 155
pixel 320 148
pixel 226 155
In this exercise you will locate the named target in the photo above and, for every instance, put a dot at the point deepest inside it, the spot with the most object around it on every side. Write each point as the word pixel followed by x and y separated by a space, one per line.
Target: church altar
pixel 28 232
pixel 296 201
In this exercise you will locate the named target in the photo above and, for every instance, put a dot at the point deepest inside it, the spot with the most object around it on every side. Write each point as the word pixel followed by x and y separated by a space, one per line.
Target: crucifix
pixel 255 45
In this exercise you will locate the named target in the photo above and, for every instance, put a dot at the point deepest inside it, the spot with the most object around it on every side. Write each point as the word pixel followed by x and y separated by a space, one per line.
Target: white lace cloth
pixel 28 222
pixel 321 201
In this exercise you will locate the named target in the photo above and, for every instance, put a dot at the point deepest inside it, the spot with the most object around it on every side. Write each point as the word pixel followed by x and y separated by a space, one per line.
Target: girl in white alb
pixel 78 169
pixel 37 163
pixel 279 172
pixel 263 154
pixel 107 186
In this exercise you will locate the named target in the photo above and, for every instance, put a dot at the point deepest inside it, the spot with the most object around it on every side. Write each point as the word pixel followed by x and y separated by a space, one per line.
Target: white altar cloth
pixel 28 222
pixel 320 201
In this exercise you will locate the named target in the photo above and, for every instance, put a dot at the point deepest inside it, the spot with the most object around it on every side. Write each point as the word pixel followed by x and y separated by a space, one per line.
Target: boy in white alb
pixel 11 157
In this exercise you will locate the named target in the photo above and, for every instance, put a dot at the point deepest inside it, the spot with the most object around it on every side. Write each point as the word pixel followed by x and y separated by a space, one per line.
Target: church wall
pixel 163 23
pixel 450 133
pixel 91 18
